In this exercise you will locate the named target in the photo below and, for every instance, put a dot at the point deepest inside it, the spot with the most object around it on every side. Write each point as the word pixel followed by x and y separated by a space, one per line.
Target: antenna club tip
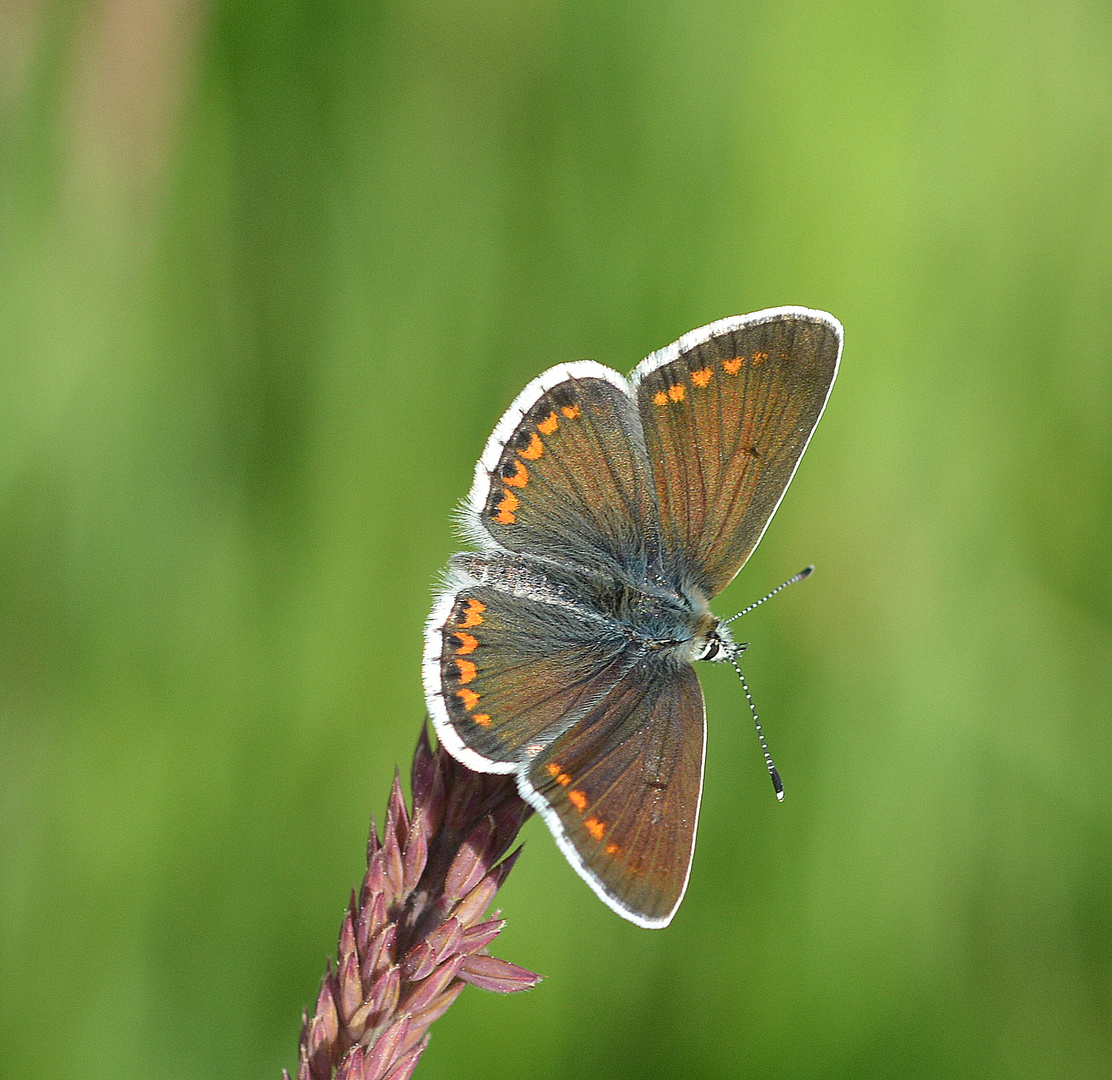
pixel 806 572
pixel 780 796
pixel 777 783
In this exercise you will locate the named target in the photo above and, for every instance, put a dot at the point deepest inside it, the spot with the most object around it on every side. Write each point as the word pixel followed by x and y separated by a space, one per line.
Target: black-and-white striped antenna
pixel 806 572
pixel 777 783
pixel 733 655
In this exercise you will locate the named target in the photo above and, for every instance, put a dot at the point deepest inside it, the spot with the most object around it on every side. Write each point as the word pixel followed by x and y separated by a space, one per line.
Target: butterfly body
pixel 608 513
pixel 652 618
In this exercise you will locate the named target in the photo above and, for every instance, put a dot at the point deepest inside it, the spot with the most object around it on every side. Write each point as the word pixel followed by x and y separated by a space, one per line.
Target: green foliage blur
pixel 270 272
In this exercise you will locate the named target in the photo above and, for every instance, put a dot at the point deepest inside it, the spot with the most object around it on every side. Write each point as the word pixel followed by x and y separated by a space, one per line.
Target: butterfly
pixel 607 513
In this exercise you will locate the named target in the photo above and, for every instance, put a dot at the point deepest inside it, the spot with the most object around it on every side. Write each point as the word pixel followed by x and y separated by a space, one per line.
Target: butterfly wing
pixel 727 413
pixel 565 475
pixel 506 670
pixel 620 790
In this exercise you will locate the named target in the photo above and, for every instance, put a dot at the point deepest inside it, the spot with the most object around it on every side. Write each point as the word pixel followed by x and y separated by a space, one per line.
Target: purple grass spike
pixel 415 932
pixel 490 973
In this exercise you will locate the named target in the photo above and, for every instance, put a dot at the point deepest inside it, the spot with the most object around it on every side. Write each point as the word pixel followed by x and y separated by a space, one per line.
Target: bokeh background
pixel 269 273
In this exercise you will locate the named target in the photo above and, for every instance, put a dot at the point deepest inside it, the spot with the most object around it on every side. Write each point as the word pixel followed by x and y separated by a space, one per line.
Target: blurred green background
pixel 270 272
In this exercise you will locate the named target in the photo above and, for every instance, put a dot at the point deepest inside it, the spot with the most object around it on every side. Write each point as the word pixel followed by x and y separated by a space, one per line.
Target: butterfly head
pixel 716 643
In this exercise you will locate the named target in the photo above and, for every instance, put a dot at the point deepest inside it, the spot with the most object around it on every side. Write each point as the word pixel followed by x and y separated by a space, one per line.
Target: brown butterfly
pixel 608 512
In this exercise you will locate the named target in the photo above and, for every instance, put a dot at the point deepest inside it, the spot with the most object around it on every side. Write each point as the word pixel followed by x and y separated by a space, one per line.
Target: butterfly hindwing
pixel 503 670
pixel 565 475
pixel 620 790
pixel 727 413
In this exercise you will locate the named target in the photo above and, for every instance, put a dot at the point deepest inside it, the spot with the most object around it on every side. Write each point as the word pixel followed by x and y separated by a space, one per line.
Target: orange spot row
pixel 558 774
pixel 472 615
pixel 703 376
pixel 578 799
pixel 505 510
pixel 675 392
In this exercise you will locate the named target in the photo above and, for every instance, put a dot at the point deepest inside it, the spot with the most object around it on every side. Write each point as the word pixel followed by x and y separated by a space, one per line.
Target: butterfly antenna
pixel 806 572
pixel 777 783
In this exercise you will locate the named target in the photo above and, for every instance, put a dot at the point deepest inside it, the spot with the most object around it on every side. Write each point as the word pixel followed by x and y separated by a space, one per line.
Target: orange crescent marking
pixel 612 849
pixel 702 377
pixel 467 670
pixel 481 719
pixel 578 800
pixel 552 769
pixel 677 392
pixel 732 366
pixel 594 827
pixel 472 615
pixel 759 357
pixel 570 411
pixel 520 477
pixel 469 698
pixel 534 449
pixel 549 424
pixel 467 643
pixel 660 398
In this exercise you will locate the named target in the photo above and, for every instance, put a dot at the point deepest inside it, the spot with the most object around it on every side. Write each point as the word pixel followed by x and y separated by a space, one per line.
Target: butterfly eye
pixel 712 649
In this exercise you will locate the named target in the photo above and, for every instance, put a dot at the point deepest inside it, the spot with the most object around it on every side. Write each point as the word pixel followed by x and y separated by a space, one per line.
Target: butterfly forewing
pixel 727 413
pixel 565 475
pixel 620 790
